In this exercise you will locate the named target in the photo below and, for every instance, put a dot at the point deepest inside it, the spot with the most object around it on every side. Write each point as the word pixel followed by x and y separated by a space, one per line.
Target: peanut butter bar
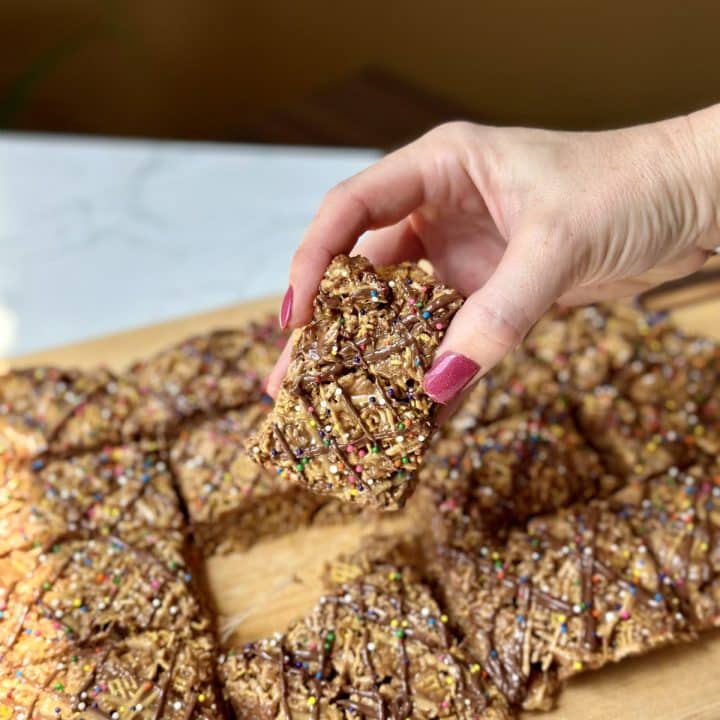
pixel 547 602
pixel 637 441
pixel 677 514
pixel 201 375
pixel 351 419
pixel 592 584
pixel 376 645
pixel 99 629
pixel 660 410
pixel 48 409
pixel 233 502
pixel 124 492
pixel 58 411
pixel 519 383
pixel 146 676
pixel 503 473
pixel 643 389
pixel 679 375
pixel 586 346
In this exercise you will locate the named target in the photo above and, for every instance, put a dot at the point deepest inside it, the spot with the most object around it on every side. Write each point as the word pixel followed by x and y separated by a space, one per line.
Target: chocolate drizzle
pixel 357 372
pixel 657 512
pixel 485 595
pixel 587 567
pixel 100 630
pixel 330 658
pixel 573 591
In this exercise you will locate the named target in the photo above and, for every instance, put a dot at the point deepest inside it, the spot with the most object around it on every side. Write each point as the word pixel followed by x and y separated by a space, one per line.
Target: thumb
pixel 495 318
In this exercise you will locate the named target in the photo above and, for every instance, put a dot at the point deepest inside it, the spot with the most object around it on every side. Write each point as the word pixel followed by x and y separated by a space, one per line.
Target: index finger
pixel 381 195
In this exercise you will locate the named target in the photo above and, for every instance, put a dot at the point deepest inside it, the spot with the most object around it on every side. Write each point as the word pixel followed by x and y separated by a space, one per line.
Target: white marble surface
pixel 101 235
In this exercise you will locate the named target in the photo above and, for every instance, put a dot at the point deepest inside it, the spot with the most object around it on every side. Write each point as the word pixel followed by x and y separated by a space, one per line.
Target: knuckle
pixel 551 230
pixel 455 129
pixel 335 195
pixel 554 241
pixel 302 255
pixel 344 196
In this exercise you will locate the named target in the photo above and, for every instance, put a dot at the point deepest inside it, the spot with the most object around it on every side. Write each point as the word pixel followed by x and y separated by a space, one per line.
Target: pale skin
pixel 518 219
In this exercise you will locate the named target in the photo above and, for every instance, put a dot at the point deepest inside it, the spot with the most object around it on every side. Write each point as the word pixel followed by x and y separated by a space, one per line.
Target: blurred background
pixel 339 73
pixel 100 234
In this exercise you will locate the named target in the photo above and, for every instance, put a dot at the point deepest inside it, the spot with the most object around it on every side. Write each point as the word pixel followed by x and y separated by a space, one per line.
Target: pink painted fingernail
pixel 286 308
pixel 449 374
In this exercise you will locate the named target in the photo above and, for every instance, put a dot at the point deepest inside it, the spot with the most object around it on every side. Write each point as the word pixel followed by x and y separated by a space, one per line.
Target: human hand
pixel 517 219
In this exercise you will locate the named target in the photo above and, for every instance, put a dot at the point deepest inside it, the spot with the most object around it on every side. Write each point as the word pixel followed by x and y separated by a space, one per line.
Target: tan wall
pixel 201 68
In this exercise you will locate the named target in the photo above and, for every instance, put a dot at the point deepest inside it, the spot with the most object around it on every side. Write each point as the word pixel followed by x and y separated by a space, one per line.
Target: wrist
pixel 705 126
pixel 698 140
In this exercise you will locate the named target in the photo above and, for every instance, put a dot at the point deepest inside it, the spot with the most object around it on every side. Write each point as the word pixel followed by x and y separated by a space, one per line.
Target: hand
pixel 518 219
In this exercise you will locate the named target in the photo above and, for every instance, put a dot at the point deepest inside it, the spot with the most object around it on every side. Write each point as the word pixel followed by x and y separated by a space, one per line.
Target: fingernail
pixel 449 374
pixel 286 308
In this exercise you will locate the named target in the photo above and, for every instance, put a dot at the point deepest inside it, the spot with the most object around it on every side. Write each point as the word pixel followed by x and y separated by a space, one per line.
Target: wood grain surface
pixel 260 591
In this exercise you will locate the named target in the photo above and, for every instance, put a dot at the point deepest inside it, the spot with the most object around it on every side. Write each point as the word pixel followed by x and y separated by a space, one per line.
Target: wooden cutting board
pixel 260 591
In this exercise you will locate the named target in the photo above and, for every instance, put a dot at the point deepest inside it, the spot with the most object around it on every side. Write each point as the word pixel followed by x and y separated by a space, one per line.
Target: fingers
pixel 275 378
pixel 391 245
pixel 382 195
pixel 495 319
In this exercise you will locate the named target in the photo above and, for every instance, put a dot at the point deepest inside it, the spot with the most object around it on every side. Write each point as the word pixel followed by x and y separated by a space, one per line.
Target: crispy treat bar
pixel 679 375
pixel 636 441
pixel 495 475
pixel 203 374
pixel 124 492
pixel 48 409
pixel 677 514
pixel 99 629
pixel 586 346
pixel 519 383
pixel 376 645
pixel 592 584
pixel 672 363
pixel 351 418
pixel 644 390
pixel 233 502
pixel 660 410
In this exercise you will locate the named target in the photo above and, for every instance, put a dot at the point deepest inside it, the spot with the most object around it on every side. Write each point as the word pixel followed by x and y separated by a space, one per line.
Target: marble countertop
pixel 100 235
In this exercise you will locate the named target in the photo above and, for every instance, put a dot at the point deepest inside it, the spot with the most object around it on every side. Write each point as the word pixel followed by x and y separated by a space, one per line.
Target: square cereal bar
pixel 48 409
pixel 232 502
pixel 505 472
pixel 677 514
pixel 203 374
pixel 636 440
pixel 573 591
pixel 96 628
pixel 376 645
pixel 586 346
pixel 351 418
pixel 124 492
